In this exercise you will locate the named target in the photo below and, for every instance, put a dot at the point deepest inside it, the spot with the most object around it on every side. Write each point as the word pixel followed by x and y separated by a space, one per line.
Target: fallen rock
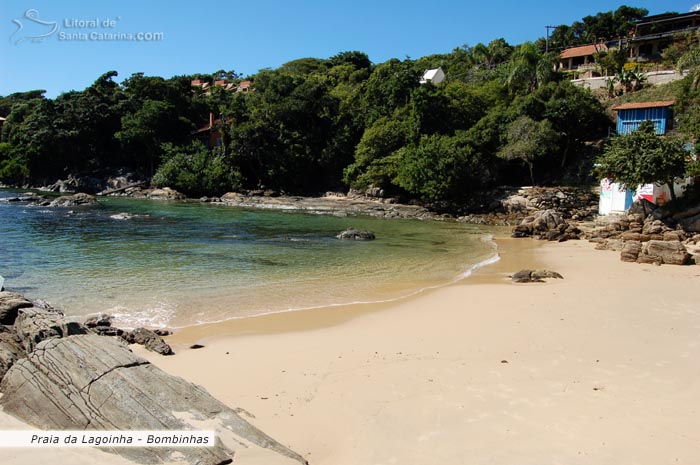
pixel 662 252
pixel 149 340
pixel 87 382
pixel 534 276
pixel 75 200
pixel 10 303
pixel 356 235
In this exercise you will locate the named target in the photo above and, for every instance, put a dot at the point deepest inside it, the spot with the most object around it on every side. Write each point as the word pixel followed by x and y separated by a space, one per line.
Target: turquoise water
pixel 176 264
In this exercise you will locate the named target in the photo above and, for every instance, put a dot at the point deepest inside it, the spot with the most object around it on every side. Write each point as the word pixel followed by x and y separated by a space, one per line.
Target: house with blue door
pixel 613 198
pixel 631 115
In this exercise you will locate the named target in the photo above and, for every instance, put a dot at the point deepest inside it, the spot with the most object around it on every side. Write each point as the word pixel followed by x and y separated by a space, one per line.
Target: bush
pixel 196 171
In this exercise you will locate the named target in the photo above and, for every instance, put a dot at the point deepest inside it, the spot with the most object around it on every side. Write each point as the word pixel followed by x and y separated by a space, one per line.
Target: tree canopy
pixel 644 157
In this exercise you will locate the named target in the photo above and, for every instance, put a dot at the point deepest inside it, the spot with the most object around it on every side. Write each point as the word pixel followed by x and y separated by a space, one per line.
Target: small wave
pixel 158 316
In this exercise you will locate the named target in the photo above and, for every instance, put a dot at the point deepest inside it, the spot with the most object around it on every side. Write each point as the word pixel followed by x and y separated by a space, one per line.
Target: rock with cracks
pixel 95 383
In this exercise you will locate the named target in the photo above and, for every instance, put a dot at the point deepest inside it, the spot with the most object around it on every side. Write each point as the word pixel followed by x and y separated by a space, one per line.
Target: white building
pixel 436 76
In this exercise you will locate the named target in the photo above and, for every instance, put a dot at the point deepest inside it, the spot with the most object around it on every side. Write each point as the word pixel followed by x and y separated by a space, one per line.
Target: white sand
pixel 602 368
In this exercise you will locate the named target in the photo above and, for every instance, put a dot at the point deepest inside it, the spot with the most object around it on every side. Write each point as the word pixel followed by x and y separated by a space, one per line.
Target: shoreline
pixel 517 252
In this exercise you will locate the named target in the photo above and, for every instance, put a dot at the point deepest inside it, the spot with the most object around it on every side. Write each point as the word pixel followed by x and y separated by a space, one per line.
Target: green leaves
pixel 643 157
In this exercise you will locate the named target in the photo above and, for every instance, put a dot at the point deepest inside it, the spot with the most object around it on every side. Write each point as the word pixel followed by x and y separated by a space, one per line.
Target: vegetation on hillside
pixel 503 116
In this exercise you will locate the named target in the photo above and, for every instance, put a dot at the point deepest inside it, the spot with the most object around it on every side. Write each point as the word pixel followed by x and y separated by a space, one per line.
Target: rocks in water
pixel 86 382
pixel 10 304
pixel 165 193
pixel 75 200
pixel 150 340
pixel 356 235
pixel 663 252
pixel 534 276
pixel 547 225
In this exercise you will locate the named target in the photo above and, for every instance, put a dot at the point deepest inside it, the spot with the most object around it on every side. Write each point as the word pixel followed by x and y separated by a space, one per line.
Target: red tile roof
pixel 582 51
pixel 638 105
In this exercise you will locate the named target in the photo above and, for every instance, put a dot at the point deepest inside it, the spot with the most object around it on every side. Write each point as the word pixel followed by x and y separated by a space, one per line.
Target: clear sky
pixel 245 36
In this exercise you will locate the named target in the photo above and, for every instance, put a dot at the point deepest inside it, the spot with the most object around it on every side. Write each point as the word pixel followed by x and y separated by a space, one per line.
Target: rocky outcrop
pixel 648 234
pixel 34 325
pixel 11 349
pixel 10 304
pixel 666 253
pixel 89 184
pixel 509 205
pixel 534 276
pixel 630 251
pixel 94 383
pixel 75 200
pixel 57 374
pixel 356 235
pixel 149 339
pixel 165 193
pixel 547 225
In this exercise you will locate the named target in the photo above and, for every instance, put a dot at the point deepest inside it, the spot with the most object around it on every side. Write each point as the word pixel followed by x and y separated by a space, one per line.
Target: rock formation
pixel 60 375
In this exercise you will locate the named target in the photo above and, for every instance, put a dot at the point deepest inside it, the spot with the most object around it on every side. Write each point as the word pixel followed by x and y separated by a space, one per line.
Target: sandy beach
pixel 600 367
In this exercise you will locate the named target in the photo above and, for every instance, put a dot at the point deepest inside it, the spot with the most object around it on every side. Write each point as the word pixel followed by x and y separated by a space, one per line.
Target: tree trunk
pixel 673 191
pixel 532 176
pixel 566 152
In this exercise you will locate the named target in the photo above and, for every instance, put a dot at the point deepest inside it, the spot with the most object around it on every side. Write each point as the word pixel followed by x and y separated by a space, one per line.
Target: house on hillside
pixel 435 75
pixel 211 134
pixel 613 198
pixel 654 33
pixel 581 58
pixel 631 115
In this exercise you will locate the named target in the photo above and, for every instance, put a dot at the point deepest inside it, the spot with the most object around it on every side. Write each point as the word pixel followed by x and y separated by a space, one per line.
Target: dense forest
pixel 503 116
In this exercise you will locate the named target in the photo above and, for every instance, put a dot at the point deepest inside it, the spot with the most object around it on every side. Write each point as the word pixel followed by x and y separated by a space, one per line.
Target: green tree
pixel 196 171
pixel 644 157
pixel 527 140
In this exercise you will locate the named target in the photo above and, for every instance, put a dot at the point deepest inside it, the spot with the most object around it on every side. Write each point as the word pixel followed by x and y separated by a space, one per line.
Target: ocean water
pixel 173 264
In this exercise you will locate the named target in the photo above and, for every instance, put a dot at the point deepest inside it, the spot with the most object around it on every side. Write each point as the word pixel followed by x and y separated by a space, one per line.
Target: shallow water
pixel 175 263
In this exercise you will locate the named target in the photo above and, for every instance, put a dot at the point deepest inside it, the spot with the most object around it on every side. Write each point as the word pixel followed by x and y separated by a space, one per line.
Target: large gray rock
pixel 75 200
pixel 96 383
pixel 34 325
pixel 10 303
pixel 661 252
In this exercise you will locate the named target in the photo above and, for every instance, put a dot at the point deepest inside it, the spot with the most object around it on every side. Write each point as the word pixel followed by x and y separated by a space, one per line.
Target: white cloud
pixel 695 7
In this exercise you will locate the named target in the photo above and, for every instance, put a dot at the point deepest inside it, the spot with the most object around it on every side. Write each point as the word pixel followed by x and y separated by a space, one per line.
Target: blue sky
pixel 247 36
